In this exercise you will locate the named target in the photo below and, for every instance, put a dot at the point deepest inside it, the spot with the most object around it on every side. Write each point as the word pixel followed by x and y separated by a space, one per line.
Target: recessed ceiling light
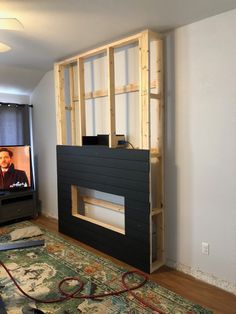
pixel 4 48
pixel 10 24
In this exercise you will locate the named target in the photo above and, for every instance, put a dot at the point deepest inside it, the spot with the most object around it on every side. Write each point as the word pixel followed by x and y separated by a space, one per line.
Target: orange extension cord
pixel 74 295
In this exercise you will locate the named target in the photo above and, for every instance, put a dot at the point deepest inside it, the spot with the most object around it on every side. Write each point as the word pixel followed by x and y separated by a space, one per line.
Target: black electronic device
pixel 89 140
pixel 103 140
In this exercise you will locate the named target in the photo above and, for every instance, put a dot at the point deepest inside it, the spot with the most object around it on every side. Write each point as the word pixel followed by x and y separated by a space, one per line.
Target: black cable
pixel 129 144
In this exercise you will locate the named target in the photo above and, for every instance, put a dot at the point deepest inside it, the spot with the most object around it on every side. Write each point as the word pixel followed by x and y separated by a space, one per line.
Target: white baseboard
pixel 208 278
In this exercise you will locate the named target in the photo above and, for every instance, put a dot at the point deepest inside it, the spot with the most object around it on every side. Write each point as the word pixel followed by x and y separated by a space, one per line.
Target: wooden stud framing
pixel 72 104
pixel 60 103
pixel 81 102
pixel 157 214
pixel 160 117
pixel 158 220
pixel 96 51
pixel 78 121
pixel 161 140
pixel 144 57
pixel 129 88
pixel 143 87
pixel 111 96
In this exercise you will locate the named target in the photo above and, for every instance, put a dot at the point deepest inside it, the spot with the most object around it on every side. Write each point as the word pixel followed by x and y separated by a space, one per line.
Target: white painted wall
pixel 201 149
pixel 14 98
pixel 44 122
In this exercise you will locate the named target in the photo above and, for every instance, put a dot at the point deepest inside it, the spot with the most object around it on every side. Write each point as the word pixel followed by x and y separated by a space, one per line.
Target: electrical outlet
pixel 205 248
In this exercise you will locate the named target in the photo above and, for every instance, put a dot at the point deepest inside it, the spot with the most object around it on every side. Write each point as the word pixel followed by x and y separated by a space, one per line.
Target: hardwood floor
pixel 211 297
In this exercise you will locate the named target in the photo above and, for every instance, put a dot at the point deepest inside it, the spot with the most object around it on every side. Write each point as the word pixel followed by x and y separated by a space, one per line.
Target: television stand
pixel 17 204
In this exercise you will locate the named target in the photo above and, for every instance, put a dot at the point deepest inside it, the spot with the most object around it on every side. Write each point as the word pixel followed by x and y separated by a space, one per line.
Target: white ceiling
pixel 55 29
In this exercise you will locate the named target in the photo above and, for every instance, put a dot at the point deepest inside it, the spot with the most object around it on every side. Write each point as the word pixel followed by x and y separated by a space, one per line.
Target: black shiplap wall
pixel 116 171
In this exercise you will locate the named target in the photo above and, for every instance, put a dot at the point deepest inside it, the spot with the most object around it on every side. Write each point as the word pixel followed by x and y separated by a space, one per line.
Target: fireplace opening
pixel 104 209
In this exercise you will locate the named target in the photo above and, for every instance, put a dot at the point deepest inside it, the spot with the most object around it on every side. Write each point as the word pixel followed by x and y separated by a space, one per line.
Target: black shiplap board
pixel 120 164
pixel 116 171
pixel 104 187
pixel 131 252
pixel 104 152
pixel 138 186
pixel 100 170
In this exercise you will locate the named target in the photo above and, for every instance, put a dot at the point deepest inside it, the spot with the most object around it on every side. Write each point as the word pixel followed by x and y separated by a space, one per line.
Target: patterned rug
pixel 38 271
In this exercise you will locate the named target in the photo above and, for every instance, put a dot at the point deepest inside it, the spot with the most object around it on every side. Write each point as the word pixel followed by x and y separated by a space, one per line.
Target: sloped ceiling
pixel 55 29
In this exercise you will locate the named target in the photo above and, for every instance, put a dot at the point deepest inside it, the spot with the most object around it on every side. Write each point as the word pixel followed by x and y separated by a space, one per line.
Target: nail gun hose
pixel 76 293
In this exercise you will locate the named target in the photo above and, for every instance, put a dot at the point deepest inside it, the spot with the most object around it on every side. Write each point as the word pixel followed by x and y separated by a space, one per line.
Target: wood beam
pixel 144 92
pixel 60 104
pixel 72 104
pixel 81 102
pixel 111 97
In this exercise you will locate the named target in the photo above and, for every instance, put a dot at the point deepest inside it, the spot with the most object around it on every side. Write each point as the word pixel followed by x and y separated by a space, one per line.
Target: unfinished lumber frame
pixel 150 90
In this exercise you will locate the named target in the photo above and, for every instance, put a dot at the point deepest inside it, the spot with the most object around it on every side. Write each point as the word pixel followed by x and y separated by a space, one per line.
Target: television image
pixel 15 168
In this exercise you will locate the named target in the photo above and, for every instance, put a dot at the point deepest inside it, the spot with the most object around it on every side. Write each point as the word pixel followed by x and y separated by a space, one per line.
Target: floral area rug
pixel 38 271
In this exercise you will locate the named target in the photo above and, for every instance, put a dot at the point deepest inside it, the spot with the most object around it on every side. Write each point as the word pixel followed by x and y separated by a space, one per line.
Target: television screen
pixel 15 168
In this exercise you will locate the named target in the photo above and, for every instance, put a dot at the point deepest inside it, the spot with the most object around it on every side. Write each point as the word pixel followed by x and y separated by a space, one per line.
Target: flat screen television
pixel 15 168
